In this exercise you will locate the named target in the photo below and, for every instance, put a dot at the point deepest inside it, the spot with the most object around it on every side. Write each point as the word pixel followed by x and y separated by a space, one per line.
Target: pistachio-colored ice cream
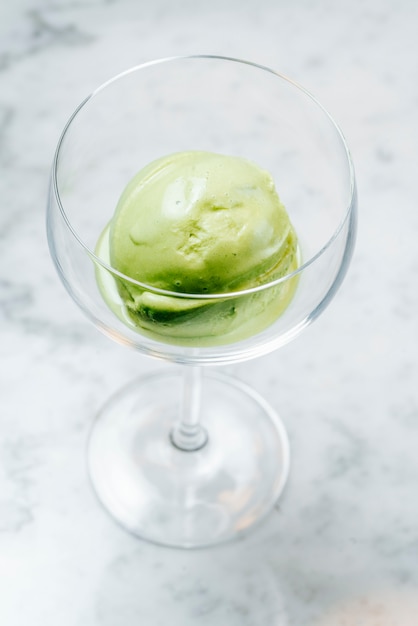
pixel 201 223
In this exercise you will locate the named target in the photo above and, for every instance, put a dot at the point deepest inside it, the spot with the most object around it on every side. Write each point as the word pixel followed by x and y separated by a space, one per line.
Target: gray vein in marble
pixel 19 460
pixel 7 114
pixel 14 299
pixel 15 515
pixel 17 310
pixel 234 587
pixel 349 455
pixel 74 334
pixel 40 32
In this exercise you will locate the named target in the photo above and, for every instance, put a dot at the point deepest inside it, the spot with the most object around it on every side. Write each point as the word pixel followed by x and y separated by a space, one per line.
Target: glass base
pixel 188 498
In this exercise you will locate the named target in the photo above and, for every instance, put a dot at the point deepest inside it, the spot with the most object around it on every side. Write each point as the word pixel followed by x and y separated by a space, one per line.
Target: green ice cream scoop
pixel 202 223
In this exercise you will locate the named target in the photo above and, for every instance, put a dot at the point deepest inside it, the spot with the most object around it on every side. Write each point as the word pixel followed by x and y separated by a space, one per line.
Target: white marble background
pixel 342 547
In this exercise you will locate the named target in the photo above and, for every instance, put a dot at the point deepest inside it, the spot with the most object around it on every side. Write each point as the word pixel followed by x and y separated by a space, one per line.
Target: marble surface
pixel 341 548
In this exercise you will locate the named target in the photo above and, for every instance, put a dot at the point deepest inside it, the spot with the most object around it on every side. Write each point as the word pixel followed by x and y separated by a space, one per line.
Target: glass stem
pixel 189 434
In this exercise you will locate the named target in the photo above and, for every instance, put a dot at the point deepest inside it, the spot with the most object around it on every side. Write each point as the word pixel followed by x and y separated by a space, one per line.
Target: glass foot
pixel 188 498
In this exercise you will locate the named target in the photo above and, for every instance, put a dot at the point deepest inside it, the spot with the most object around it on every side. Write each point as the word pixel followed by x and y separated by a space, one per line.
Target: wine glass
pixel 178 458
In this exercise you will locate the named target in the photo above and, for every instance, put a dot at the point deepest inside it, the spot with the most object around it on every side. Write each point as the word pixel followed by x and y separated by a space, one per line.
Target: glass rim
pixel 218 295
